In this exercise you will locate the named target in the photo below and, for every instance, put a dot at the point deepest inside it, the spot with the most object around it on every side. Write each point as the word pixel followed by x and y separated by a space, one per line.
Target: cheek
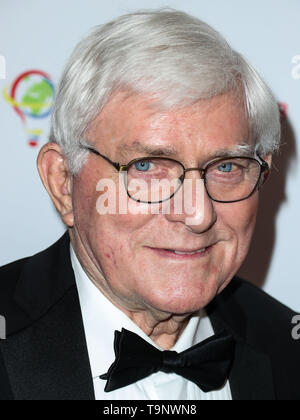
pixel 113 237
pixel 83 204
pixel 239 218
pixel 237 221
pixel 97 206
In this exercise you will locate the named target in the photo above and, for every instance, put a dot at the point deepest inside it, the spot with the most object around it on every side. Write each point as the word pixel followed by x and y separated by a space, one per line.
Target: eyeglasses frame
pixel 264 167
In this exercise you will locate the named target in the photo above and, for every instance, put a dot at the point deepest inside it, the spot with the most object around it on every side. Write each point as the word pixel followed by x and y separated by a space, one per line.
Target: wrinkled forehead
pixel 132 124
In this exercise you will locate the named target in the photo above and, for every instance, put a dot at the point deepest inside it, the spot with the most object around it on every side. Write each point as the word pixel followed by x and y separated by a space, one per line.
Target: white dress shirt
pixel 101 318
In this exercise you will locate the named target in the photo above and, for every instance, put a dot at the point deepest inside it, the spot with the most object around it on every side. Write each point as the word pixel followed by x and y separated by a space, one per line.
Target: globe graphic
pixel 34 95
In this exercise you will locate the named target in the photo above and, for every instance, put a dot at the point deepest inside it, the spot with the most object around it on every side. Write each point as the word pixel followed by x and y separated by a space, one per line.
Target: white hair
pixel 169 54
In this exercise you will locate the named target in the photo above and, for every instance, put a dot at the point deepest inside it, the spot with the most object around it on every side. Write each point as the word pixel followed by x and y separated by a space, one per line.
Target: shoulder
pixel 9 309
pixel 262 321
pixel 254 300
pixel 10 273
pixel 9 276
pixel 265 326
pixel 256 317
pixel 260 308
pixel 28 285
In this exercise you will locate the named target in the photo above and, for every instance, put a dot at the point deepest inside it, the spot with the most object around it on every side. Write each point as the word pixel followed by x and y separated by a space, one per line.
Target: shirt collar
pixel 101 318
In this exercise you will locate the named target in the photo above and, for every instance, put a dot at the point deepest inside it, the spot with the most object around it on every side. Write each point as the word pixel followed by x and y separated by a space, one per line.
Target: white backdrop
pixel 38 34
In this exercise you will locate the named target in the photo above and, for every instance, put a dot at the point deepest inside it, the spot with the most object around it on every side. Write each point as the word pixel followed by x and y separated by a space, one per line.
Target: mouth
pixel 183 254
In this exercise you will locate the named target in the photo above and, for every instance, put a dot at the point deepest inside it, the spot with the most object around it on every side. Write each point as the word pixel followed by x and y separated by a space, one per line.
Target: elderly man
pixel 130 303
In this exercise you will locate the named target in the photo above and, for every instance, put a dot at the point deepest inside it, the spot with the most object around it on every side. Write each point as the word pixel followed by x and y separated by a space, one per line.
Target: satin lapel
pixel 48 359
pixel 251 374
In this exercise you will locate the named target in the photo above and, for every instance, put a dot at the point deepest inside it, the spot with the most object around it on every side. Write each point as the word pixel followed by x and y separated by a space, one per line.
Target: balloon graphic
pixel 32 96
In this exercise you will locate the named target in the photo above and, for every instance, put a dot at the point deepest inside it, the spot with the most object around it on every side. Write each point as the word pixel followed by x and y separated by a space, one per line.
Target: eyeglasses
pixel 153 180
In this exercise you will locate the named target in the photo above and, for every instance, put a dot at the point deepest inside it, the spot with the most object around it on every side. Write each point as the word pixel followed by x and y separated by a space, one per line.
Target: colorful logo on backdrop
pixel 31 95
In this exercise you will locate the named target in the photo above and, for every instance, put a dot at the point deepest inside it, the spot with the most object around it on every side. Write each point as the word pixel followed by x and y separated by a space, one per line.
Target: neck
pixel 163 329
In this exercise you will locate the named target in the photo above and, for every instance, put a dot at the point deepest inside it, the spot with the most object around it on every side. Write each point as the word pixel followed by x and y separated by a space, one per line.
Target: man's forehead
pixel 129 111
pixel 142 129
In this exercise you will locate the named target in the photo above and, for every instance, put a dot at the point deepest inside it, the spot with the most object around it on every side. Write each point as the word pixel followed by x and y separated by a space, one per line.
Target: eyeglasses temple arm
pixel 264 164
pixel 116 165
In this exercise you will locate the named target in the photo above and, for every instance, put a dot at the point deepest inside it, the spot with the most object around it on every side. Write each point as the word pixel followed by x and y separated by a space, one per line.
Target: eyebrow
pixel 241 149
pixel 148 149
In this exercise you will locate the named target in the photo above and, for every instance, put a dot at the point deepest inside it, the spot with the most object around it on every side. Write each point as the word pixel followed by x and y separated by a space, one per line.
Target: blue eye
pixel 142 165
pixel 225 167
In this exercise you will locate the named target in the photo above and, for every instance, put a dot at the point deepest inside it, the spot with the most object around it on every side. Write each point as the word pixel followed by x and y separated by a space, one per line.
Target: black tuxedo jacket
pixel 44 356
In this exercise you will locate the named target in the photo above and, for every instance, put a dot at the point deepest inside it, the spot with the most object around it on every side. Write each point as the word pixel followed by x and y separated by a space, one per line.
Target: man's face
pixel 125 254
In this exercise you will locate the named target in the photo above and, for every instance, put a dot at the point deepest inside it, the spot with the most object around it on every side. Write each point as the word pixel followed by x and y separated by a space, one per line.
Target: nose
pixel 192 206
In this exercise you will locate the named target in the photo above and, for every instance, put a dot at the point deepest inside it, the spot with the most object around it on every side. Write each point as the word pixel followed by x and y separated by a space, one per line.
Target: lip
pixel 169 254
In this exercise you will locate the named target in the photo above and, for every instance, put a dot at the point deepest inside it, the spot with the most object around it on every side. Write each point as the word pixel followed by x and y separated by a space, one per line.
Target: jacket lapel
pixel 48 359
pixel 251 374
pixel 6 393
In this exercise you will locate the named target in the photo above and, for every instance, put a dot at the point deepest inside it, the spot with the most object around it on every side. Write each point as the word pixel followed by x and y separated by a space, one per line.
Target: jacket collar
pixel 45 278
pixel 251 374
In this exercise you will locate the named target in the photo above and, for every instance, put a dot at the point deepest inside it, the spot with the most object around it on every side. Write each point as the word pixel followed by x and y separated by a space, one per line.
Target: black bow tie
pixel 207 364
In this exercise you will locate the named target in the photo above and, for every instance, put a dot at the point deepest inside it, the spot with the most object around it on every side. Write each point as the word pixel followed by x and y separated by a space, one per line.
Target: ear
pixel 57 180
pixel 266 174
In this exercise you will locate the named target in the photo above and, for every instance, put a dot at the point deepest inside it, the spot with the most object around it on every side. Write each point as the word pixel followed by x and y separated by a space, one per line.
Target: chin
pixel 184 303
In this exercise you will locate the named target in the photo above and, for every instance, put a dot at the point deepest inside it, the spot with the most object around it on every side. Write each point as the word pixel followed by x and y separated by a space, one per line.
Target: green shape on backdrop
pixel 39 94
